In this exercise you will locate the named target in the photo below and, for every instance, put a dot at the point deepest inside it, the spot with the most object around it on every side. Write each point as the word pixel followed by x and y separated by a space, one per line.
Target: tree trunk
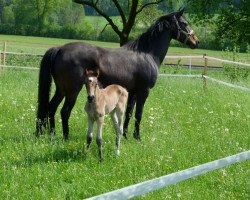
pixel 123 39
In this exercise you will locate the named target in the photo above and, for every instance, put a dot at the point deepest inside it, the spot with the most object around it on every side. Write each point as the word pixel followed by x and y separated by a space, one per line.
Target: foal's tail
pixel 44 85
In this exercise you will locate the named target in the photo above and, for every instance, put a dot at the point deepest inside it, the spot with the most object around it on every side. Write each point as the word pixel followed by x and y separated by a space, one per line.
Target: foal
pixel 100 102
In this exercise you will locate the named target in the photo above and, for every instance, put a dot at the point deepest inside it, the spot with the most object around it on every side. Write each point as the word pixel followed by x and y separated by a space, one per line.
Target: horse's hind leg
pixel 65 112
pixel 129 111
pixel 53 105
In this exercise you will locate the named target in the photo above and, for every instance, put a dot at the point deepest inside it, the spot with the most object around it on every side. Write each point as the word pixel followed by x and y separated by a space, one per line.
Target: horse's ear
pixel 180 12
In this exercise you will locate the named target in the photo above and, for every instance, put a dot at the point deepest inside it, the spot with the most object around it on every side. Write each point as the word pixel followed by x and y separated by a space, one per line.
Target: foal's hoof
pixel 101 160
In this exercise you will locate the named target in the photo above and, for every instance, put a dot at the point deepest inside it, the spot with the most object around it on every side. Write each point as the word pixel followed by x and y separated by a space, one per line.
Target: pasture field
pixel 39 45
pixel 182 127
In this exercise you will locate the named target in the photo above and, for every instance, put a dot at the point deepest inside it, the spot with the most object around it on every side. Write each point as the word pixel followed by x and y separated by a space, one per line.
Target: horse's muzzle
pixel 90 98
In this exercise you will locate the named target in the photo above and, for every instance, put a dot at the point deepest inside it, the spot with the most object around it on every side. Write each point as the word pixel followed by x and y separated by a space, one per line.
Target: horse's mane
pixel 144 41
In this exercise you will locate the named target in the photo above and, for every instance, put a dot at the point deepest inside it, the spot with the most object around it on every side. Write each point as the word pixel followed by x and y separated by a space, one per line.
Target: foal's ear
pixel 86 72
pixel 97 72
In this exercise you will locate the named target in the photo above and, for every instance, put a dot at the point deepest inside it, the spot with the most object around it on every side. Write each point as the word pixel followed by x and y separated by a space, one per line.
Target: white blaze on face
pixel 91 86
pixel 91 79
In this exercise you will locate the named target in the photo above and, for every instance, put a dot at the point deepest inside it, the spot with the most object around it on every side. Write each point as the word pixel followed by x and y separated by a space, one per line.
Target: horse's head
pixel 91 83
pixel 181 30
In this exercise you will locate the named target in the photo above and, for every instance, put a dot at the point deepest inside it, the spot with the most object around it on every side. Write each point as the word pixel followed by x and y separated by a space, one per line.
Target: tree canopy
pixel 230 17
pixel 127 10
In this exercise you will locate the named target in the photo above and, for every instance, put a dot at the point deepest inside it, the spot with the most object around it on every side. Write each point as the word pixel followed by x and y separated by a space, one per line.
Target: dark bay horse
pixel 134 66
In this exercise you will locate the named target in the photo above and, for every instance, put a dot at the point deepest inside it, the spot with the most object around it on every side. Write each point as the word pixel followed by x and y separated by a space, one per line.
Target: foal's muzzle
pixel 90 98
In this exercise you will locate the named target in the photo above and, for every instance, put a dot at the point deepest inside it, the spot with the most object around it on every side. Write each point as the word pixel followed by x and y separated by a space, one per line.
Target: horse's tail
pixel 44 85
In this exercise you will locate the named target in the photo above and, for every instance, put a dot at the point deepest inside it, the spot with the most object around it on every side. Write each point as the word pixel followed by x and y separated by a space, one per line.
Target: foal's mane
pixel 144 41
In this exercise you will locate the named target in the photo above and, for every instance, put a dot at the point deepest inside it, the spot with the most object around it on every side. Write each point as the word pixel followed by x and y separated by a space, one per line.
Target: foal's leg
pixel 65 113
pixel 129 111
pixel 100 121
pixel 53 105
pixel 140 101
pixel 118 131
pixel 90 132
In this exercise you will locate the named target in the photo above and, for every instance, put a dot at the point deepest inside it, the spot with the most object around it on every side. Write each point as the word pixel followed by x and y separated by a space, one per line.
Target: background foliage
pixel 218 23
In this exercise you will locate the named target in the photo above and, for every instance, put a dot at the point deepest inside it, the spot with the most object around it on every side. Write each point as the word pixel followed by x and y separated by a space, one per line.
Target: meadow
pixel 182 126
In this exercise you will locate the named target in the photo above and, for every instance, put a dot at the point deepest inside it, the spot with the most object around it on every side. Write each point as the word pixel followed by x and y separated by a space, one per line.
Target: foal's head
pixel 91 83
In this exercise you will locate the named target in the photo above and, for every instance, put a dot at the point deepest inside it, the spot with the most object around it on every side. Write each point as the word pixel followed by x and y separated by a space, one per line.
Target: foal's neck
pixel 98 93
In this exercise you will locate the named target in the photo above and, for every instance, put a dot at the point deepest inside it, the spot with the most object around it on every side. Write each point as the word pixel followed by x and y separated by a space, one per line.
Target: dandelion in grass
pixel 224 172
pixel 32 107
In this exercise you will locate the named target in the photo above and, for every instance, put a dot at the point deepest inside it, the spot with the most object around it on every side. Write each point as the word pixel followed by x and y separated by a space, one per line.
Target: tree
pixel 231 18
pixel 128 11
pixel 42 8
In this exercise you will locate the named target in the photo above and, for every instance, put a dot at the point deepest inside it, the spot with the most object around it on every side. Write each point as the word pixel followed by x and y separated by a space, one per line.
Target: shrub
pixel 233 71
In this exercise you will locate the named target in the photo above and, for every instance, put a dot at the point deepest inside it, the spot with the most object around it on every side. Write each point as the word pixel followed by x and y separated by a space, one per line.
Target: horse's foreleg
pixel 140 101
pixel 53 105
pixel 117 123
pixel 90 132
pixel 99 136
pixel 65 113
pixel 128 114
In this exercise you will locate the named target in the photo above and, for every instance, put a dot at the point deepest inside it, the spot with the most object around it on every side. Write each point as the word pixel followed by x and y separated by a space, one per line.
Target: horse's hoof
pixel 101 160
pixel 65 138
pixel 125 135
pixel 117 152
pixel 137 137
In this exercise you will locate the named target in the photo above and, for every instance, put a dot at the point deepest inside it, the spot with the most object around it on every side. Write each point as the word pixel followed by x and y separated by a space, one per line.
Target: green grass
pixel 182 127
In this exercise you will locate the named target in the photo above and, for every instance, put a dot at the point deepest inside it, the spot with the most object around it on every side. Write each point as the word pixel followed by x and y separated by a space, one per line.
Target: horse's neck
pixel 159 47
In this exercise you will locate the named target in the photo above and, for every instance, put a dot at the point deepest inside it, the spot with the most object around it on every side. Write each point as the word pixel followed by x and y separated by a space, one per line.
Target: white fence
pixel 158 183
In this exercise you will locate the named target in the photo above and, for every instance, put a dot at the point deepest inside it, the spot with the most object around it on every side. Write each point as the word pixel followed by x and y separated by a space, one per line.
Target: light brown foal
pixel 101 102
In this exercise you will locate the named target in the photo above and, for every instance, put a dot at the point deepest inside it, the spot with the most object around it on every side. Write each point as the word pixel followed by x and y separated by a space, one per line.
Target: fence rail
pixel 164 181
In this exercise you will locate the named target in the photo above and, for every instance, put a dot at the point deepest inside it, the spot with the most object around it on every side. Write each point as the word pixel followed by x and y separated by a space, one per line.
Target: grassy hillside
pixel 181 127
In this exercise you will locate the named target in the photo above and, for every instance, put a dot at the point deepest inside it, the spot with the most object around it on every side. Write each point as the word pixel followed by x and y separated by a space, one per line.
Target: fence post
pixel 4 53
pixel 205 72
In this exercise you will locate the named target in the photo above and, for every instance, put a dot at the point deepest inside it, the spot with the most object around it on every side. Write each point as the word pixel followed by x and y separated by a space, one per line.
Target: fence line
pixel 228 84
pixel 19 67
pixel 189 56
pixel 166 57
pixel 227 61
pixel 163 181
pixel 181 75
pixel 25 54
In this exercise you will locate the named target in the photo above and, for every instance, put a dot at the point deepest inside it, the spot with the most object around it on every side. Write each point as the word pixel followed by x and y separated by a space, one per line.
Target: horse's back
pixel 70 62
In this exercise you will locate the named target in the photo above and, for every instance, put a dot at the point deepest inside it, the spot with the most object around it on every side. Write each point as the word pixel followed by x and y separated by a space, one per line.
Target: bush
pixel 233 71
pixel 108 35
